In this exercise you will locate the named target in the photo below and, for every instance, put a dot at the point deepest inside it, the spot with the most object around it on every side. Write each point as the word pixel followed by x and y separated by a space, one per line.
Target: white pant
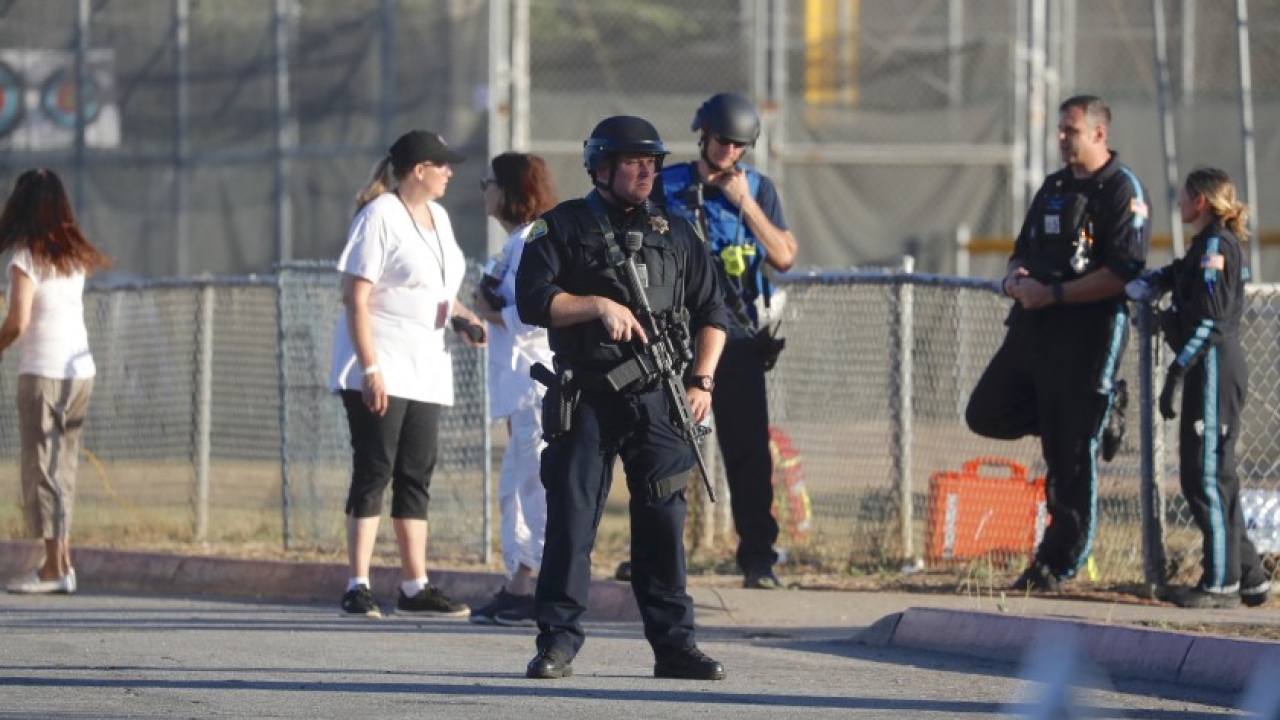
pixel 521 498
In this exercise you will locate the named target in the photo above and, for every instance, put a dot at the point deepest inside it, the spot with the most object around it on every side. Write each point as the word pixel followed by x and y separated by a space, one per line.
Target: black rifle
pixel 668 350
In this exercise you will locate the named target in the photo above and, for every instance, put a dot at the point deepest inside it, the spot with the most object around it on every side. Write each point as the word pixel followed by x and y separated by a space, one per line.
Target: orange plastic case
pixel 975 515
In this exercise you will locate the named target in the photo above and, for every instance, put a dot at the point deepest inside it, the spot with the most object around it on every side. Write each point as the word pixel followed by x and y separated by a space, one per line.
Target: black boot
pixel 548 665
pixel 1199 598
pixel 1039 578
pixel 688 664
pixel 1255 588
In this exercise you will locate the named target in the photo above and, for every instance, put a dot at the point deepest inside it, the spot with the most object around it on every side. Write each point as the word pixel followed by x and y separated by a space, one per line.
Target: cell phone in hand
pixel 473 331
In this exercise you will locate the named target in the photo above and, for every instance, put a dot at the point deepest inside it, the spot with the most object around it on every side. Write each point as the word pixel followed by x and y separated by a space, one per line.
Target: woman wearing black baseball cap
pixel 401 271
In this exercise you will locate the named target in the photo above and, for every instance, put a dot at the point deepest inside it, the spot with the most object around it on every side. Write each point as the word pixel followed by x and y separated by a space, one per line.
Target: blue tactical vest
pixel 739 257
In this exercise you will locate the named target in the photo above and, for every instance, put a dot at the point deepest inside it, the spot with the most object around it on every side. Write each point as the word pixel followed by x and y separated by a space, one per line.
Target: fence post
pixel 1154 563
pixel 282 353
pixel 902 320
pixel 204 412
pixel 486 467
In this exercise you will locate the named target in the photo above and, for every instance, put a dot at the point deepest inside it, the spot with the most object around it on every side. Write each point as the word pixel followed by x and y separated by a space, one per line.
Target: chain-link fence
pixel 914 130
pixel 315 458
pixel 224 136
pixel 211 420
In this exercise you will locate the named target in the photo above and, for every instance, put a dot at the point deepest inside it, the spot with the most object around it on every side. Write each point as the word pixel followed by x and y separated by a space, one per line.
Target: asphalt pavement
pixel 195 636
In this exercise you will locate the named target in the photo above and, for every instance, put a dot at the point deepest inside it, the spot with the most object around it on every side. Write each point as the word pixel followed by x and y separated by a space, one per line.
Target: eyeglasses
pixel 486 182
pixel 730 142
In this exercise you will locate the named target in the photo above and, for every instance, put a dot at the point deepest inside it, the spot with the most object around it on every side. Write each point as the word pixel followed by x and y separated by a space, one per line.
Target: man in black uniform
pixel 1084 237
pixel 604 403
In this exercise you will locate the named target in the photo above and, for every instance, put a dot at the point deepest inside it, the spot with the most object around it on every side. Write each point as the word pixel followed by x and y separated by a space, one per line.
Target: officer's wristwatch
pixel 706 383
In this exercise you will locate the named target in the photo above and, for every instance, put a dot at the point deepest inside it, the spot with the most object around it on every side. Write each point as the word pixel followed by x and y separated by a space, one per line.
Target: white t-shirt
pixel 56 342
pixel 515 348
pixel 416 275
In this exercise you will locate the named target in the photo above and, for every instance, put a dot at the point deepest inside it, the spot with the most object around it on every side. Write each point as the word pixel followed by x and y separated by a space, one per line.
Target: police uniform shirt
pixel 677 178
pixel 1208 292
pixel 567 252
pixel 676 186
pixel 1118 208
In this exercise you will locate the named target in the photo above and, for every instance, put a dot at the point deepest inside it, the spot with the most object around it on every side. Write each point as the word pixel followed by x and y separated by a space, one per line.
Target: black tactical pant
pixel 742 426
pixel 1213 397
pixel 1054 377
pixel 577 470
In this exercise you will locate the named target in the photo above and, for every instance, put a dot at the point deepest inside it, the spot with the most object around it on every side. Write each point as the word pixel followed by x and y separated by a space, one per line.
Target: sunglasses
pixel 729 142
pixel 486 182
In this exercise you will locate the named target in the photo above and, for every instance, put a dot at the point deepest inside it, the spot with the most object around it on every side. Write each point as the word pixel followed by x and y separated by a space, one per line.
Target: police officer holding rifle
pixel 623 289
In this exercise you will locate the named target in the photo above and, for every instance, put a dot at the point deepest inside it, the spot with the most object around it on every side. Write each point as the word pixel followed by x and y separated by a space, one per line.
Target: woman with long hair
pixel 517 189
pixel 1202 326
pixel 51 259
pixel 401 272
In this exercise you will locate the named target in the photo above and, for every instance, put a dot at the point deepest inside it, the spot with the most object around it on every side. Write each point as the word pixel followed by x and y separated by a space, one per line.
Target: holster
pixel 488 289
pixel 560 401
pixel 769 346
pixel 660 490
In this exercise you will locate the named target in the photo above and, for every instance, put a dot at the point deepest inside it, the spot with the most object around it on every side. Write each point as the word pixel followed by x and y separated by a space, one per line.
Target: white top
pixel 56 342
pixel 416 275
pixel 515 348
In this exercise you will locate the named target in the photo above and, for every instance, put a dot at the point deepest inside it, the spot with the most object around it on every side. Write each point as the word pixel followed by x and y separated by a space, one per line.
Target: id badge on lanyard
pixel 442 314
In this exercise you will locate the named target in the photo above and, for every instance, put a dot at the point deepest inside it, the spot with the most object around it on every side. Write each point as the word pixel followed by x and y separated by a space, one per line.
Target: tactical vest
pixel 595 271
pixel 1061 242
pixel 739 257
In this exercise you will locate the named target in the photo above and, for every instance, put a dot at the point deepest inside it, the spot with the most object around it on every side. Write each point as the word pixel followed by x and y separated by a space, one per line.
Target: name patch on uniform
pixel 1213 261
pixel 537 230
pixel 1139 208
pixel 1052 224
pixel 642 273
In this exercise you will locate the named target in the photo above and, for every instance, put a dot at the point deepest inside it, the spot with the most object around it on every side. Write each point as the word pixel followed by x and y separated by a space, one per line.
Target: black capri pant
pixel 399 447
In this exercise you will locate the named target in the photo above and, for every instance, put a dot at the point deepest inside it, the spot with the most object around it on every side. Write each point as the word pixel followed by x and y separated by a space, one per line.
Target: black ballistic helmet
pixel 729 116
pixel 621 134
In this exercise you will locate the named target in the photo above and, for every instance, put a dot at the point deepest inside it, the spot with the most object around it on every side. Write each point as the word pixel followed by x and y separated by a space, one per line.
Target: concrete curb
pixel 160 573
pixel 1123 650
pixel 1165 656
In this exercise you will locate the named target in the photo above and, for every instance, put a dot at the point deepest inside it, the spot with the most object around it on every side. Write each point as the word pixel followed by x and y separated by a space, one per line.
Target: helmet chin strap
pixel 612 195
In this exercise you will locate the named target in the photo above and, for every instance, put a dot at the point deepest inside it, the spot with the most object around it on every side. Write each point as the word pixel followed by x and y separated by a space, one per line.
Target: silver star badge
pixel 659 224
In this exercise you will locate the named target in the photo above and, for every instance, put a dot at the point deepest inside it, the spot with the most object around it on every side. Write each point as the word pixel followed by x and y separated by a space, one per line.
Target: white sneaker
pixel 31 584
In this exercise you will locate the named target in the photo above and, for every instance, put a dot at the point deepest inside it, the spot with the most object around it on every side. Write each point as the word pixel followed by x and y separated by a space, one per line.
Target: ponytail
pixel 1215 186
pixel 1237 221
pixel 379 182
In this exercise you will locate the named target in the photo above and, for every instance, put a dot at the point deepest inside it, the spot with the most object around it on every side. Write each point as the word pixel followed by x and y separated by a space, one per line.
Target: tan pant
pixel 51 415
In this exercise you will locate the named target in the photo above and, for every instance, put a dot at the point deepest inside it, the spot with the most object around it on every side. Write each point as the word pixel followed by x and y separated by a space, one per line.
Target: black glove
pixel 1169 394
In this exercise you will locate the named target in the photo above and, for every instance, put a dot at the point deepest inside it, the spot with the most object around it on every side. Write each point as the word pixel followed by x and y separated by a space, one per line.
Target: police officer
pixel 1084 237
pixel 605 403
pixel 737 209
pixel 1203 328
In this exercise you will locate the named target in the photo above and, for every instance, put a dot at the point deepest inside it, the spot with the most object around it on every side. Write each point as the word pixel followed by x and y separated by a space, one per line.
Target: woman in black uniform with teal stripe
pixel 1207 287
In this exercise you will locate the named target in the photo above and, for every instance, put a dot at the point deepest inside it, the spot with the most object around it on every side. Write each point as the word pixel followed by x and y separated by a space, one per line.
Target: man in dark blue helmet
pixel 604 400
pixel 737 209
